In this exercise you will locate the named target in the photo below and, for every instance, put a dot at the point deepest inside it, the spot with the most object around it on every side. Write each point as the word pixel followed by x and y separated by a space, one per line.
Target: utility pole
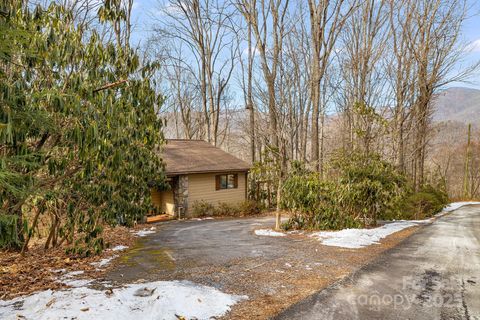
pixel 466 173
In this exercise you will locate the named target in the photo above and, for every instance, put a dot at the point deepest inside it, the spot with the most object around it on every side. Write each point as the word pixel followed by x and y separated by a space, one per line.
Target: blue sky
pixel 146 11
pixel 471 35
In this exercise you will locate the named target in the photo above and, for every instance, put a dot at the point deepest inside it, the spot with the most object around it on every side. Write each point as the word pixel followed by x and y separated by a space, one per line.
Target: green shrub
pixel 245 208
pixel 202 209
pixel 250 207
pixel 369 188
pixel 362 190
pixel 302 193
pixel 327 218
pixel 9 237
pixel 227 209
pixel 315 204
pixel 423 204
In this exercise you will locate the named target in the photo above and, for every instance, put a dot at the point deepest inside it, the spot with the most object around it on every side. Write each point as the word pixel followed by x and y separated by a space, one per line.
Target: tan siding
pixel 156 198
pixel 202 187
pixel 168 205
pixel 163 201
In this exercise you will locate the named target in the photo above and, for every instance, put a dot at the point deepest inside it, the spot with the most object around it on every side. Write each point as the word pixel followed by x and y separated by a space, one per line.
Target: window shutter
pixel 235 180
pixel 217 182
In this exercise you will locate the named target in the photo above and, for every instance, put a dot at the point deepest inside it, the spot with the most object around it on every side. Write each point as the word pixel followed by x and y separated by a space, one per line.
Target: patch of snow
pixel 119 248
pixel 296 232
pixel 288 265
pixel 165 300
pixel 144 232
pixel 76 283
pixel 69 280
pixel 456 205
pixel 359 238
pixel 257 253
pixel 105 261
pixel 269 232
pixel 279 271
pixel 73 274
pixel 201 219
pixel 59 270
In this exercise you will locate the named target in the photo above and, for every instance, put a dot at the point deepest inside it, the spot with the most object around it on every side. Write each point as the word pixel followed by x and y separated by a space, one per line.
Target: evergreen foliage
pixel 244 208
pixel 423 204
pixel 78 125
pixel 361 190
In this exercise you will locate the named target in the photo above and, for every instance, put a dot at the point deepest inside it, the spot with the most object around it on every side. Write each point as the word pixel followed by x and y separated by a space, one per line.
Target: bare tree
pixel 205 28
pixel 268 22
pixel 433 38
pixel 364 84
pixel 262 16
pixel 246 83
pixel 296 73
pixel 327 19
pixel 401 70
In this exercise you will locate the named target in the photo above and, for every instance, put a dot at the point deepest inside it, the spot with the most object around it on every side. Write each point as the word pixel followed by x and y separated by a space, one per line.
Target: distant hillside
pixel 458 105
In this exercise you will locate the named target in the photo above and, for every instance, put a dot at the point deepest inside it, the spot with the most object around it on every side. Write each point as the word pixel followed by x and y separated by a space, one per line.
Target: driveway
pixel 434 274
pixel 273 272
pixel 199 243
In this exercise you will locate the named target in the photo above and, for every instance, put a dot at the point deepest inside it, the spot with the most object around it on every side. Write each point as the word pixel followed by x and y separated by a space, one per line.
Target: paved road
pixel 434 274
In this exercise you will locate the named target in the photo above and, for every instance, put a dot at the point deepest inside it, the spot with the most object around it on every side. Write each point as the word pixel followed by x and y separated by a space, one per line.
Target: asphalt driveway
pixel 199 243
pixel 273 272
pixel 434 274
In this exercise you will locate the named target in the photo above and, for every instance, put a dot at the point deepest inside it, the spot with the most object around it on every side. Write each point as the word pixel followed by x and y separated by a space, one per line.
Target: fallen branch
pixel 110 85
pixel 258 265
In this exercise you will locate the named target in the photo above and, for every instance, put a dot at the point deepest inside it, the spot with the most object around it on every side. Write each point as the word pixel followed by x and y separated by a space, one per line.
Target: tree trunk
pixel 249 95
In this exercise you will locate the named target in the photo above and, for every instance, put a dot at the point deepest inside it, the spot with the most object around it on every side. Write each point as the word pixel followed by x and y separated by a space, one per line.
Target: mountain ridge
pixel 457 104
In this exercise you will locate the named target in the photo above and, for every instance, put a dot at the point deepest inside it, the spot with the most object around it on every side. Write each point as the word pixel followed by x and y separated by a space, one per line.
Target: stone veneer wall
pixel 181 196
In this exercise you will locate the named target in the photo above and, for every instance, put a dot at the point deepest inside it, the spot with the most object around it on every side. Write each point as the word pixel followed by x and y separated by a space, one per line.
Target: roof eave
pixel 176 173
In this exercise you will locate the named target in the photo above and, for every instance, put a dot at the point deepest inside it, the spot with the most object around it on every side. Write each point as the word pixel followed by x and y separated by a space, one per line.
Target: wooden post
pixel 278 220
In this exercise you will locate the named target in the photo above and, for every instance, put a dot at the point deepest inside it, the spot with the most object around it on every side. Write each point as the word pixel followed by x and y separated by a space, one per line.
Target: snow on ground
pixel 455 205
pixel 202 219
pixel 69 280
pixel 59 270
pixel 75 283
pixel 359 238
pixel 73 273
pixel 119 248
pixel 144 232
pixel 104 262
pixel 154 300
pixel 269 232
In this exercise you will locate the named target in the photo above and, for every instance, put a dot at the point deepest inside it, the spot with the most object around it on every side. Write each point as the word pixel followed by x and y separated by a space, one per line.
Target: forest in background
pixel 281 81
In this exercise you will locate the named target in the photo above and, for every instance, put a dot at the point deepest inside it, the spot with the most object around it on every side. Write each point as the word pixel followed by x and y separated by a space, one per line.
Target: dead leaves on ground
pixel 39 269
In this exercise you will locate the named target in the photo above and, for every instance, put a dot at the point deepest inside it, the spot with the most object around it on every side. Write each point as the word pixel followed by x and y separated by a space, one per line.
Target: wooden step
pixel 158 218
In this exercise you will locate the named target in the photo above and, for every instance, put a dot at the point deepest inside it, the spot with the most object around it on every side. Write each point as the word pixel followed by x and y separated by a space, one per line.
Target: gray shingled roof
pixel 197 156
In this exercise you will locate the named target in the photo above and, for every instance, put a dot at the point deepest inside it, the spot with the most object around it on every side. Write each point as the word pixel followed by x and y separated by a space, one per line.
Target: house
pixel 198 171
